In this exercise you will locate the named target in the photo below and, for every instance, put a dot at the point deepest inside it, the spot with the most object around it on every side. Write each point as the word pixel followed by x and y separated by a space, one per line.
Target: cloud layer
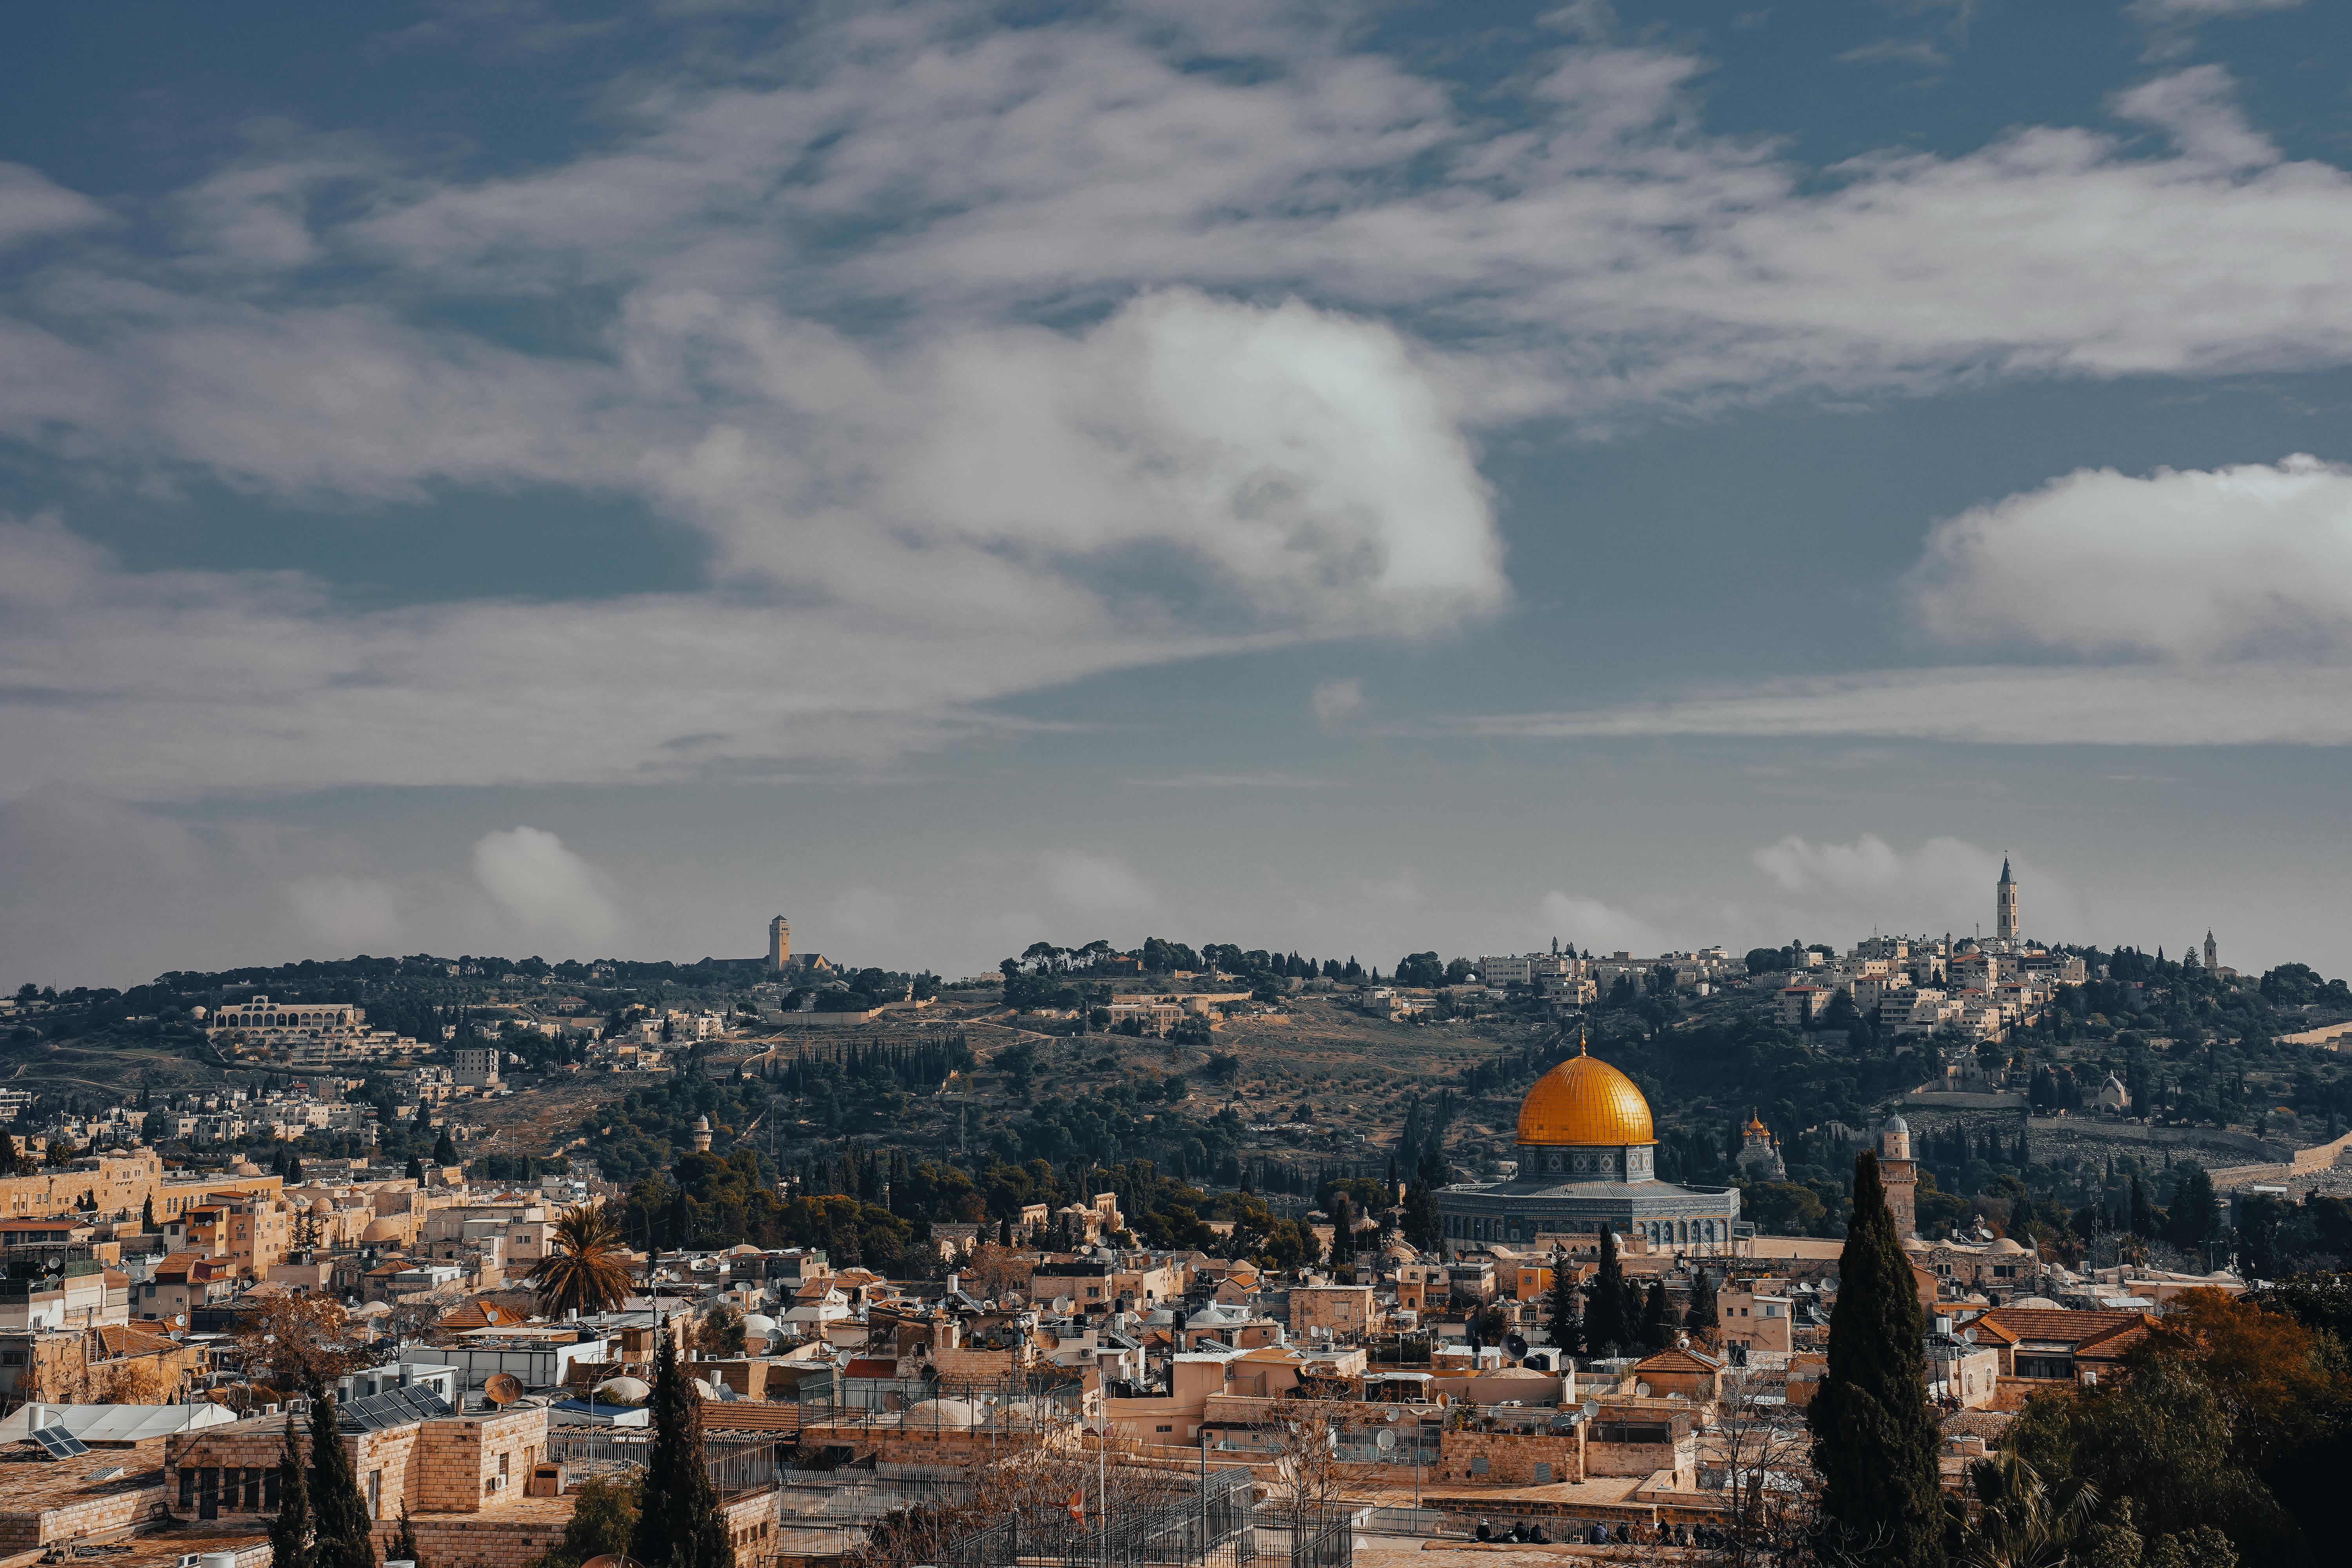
pixel 984 360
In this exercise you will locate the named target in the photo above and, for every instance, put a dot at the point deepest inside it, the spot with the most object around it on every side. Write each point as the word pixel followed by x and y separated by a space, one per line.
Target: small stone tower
pixel 1901 1174
pixel 2213 954
pixel 702 1135
pixel 780 944
pixel 2004 904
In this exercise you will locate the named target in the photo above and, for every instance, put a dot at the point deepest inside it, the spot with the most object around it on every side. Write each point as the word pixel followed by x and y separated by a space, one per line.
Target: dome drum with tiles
pixel 1586 1154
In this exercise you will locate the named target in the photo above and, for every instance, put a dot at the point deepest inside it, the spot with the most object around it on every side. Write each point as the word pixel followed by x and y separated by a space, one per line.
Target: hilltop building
pixel 1587 1159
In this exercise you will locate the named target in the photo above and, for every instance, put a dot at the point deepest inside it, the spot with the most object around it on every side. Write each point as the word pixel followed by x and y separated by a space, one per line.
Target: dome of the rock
pixel 1584 1101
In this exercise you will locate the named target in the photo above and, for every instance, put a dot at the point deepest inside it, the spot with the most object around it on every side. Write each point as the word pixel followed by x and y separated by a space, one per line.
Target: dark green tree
pixel 677 1513
pixel 1566 1309
pixel 1609 1328
pixel 2195 1217
pixel 294 1173
pixel 404 1545
pixel 147 1226
pixel 1657 1319
pixel 2142 1215
pixel 416 1169
pixel 1423 1226
pixel 1874 1438
pixel 445 1153
pixel 344 1537
pixel 1700 1320
pixel 289 1532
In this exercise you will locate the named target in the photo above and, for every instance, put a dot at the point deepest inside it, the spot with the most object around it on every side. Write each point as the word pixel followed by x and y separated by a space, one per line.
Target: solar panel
pixel 59 1443
pixel 393 1407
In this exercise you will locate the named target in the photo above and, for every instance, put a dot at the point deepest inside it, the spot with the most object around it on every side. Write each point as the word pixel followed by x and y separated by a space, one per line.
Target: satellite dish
pixel 503 1388
pixel 1385 1440
pixel 1592 1408
pixel 1642 1391
pixel 1515 1344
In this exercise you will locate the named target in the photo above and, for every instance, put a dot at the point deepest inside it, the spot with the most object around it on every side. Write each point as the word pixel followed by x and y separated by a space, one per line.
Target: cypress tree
pixel 404 1545
pixel 445 1153
pixel 1422 1225
pixel 1608 1326
pixel 1874 1438
pixel 1657 1319
pixel 289 1532
pixel 147 1226
pixel 678 1514
pixel 2143 1214
pixel 1701 1320
pixel 415 1170
pixel 1567 1312
pixel 346 1533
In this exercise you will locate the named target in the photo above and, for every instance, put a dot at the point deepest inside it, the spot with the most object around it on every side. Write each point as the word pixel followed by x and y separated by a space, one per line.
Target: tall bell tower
pixel 2004 904
pixel 780 944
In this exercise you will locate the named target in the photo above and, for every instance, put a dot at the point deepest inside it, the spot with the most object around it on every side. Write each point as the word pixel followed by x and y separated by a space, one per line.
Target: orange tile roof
pixel 2082 1329
pixel 1677 1360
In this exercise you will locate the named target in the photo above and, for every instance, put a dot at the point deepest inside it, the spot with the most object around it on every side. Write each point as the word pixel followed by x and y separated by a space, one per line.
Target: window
pixel 1163 1428
pixel 376 1494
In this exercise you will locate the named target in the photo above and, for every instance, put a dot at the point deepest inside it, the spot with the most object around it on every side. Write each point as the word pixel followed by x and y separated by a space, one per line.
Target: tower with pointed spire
pixel 2004 904
pixel 2213 954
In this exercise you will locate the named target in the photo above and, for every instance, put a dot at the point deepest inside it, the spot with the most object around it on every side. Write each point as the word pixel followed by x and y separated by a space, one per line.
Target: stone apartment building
pixel 1332 1311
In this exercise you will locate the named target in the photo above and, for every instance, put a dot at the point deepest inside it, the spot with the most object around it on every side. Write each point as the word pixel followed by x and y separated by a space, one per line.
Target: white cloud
pixel 345 914
pixel 2230 705
pixel 2180 565
pixel 547 890
pixel 2204 10
pixel 2198 108
pixel 1094 884
pixel 1337 701
pixel 32 205
pixel 1945 884
pixel 1593 925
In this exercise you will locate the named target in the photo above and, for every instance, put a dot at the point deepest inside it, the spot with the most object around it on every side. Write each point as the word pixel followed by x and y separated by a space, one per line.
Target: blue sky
pixel 1361 478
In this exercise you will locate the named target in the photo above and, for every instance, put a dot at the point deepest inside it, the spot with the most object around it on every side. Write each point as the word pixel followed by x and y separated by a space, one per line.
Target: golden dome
pixel 1584 1101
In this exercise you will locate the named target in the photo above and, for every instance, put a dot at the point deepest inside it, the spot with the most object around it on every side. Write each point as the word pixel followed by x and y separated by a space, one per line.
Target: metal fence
pixel 1210 1523
pixel 737 1464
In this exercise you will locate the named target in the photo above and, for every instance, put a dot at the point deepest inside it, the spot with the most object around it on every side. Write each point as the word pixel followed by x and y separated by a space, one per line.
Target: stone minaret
pixel 702 1135
pixel 780 943
pixel 2004 904
pixel 1900 1173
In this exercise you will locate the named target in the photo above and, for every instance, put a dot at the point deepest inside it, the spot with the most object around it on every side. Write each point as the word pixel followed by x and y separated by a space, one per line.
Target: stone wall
pixel 1511 1457
pixel 1641 1458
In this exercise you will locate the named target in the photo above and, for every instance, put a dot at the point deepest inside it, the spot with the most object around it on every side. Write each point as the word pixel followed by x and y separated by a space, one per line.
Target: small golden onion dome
pixel 1584 1101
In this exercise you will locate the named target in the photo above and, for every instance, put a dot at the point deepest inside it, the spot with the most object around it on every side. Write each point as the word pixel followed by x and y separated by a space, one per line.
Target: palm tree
pixel 2024 1521
pixel 584 1268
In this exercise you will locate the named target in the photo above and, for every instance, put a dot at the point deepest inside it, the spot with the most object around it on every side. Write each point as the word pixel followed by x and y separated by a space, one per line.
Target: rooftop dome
pixel 1584 1101
pixel 2040 1303
pixel 2005 1245
pixel 624 1390
pixel 1896 1124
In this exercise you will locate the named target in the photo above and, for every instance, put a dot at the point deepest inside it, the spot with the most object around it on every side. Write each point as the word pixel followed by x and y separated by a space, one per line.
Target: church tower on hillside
pixel 780 944
pixel 2212 954
pixel 2004 904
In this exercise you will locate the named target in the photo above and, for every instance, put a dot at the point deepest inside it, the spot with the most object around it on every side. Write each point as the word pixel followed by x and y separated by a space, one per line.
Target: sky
pixel 582 480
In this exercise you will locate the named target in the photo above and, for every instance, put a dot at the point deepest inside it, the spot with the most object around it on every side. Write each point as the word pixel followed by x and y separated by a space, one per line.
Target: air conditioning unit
pixel 498 1483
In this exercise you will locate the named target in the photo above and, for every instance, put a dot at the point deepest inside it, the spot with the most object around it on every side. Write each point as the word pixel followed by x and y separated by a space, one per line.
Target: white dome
pixel 2005 1245
pixel 624 1390
pixel 759 1323
pixel 2044 1302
